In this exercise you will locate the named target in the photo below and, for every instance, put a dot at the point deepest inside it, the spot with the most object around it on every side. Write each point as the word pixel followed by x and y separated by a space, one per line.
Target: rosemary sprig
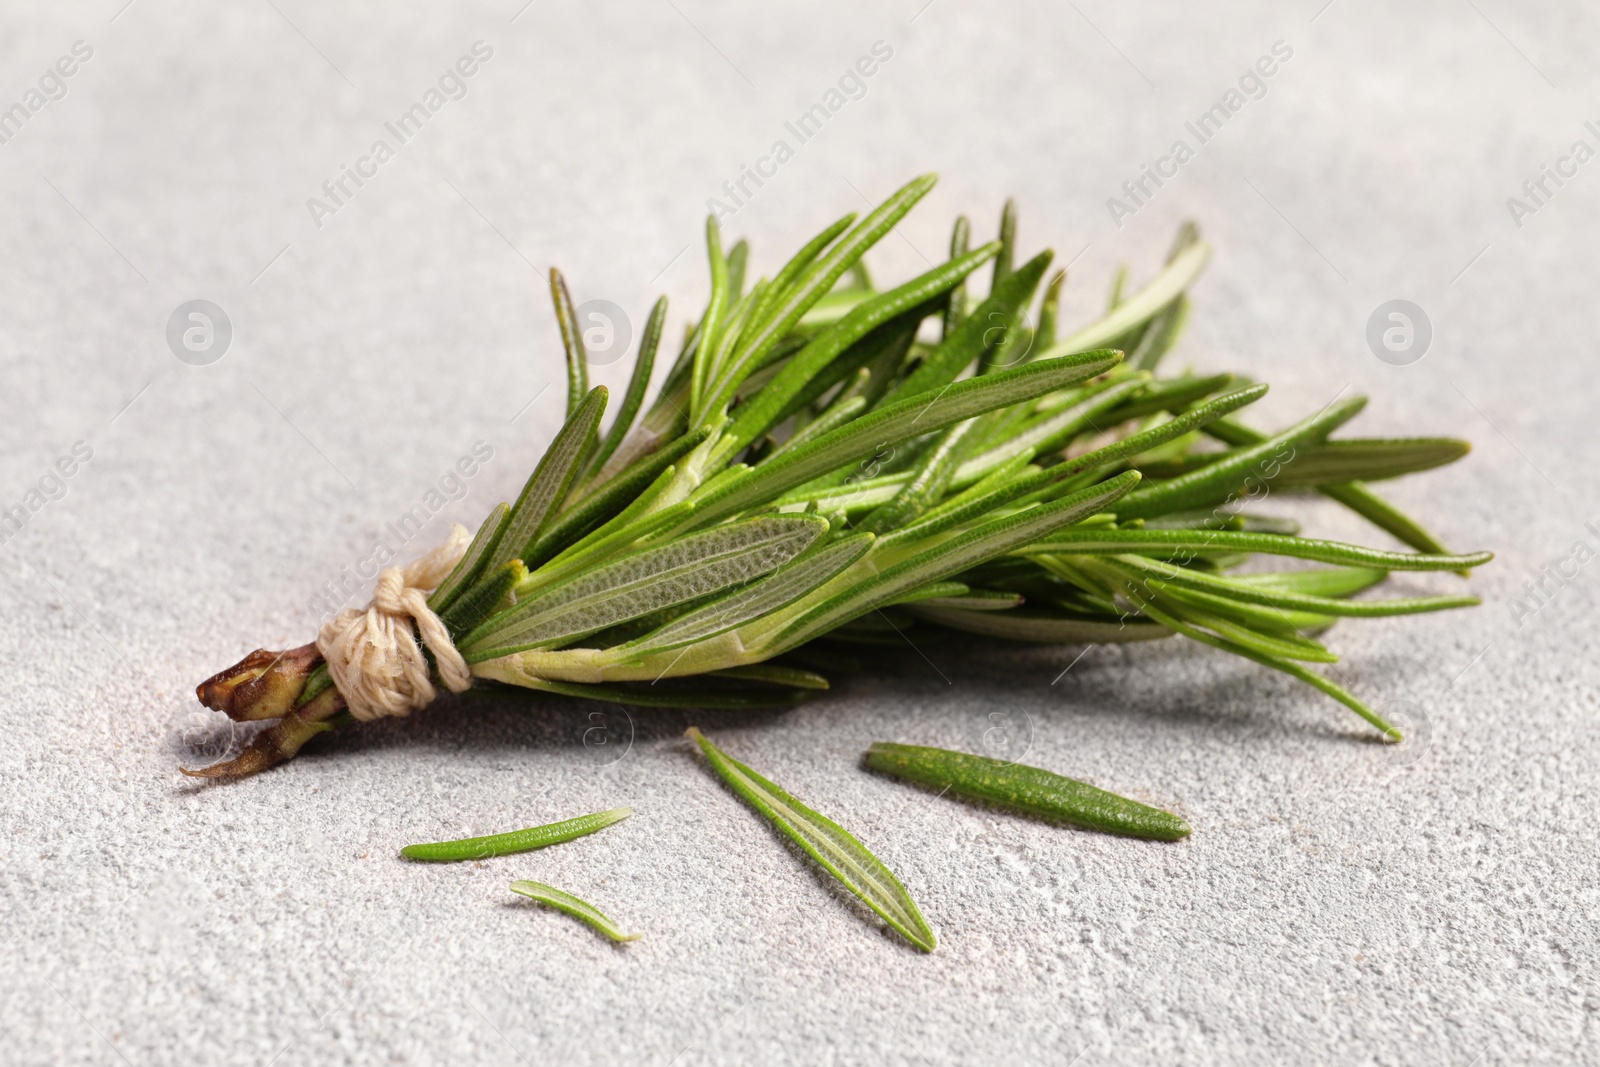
pixel 814 456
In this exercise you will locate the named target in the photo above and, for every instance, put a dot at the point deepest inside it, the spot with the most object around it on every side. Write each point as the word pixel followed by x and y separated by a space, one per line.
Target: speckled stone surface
pixel 1339 901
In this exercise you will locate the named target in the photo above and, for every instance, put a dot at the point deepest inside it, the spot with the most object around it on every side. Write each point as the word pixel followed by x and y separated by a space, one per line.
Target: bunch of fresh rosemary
pixel 829 462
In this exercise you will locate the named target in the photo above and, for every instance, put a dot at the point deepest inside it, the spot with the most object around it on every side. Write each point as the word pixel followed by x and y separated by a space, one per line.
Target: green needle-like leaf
pixel 578 909
pixel 1162 290
pixel 825 841
pixel 1026 789
pixel 638 385
pixel 681 570
pixel 472 564
pixel 477 848
pixel 547 486
pixel 571 341
pixel 1225 477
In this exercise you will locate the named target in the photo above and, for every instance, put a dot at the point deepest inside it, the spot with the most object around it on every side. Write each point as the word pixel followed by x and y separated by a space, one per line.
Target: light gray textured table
pixel 1339 901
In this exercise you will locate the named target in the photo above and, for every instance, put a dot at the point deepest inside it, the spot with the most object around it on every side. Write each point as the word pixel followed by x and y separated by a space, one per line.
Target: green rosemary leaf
pixel 950 557
pixel 738 262
pixel 547 486
pixel 572 341
pixel 1008 243
pixel 704 698
pixel 1353 495
pixel 893 423
pixel 1159 337
pixel 1253 593
pixel 764 410
pixel 472 564
pixel 983 329
pixel 710 322
pixel 1225 477
pixel 1323 581
pixel 1172 394
pixel 1162 290
pixel 1187 542
pixel 825 841
pixel 1289 667
pixel 1026 789
pixel 478 848
pixel 777 590
pixel 610 499
pixel 970 600
pixel 1044 337
pixel 810 284
pixel 932 591
pixel 1368 460
pixel 680 570
pixel 1171 430
pixel 638 384
pixel 774 674
pixel 474 606
pixel 925 484
pixel 956 305
pixel 578 909
pixel 1240 628
pixel 836 416
pixel 1042 625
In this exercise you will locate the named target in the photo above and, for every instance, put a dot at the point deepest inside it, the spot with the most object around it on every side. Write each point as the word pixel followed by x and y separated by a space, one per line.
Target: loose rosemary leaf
pixel 1225 477
pixel 578 909
pixel 1182 542
pixel 477 848
pixel 680 570
pixel 979 331
pixel 777 590
pixel 638 385
pixel 1162 290
pixel 571 341
pixel 471 565
pixel 767 406
pixel 893 423
pixel 950 557
pixel 548 485
pixel 1026 789
pixel 825 841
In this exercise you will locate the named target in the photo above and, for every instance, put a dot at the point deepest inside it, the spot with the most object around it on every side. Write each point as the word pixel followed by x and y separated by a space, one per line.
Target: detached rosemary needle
pixel 573 906
pixel 477 848
pixel 1026 789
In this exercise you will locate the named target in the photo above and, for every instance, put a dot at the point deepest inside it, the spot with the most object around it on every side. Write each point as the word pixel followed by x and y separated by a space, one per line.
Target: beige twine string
pixel 372 652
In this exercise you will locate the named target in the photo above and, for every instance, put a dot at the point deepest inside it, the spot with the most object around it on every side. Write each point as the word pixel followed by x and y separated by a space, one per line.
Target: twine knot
pixel 372 652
